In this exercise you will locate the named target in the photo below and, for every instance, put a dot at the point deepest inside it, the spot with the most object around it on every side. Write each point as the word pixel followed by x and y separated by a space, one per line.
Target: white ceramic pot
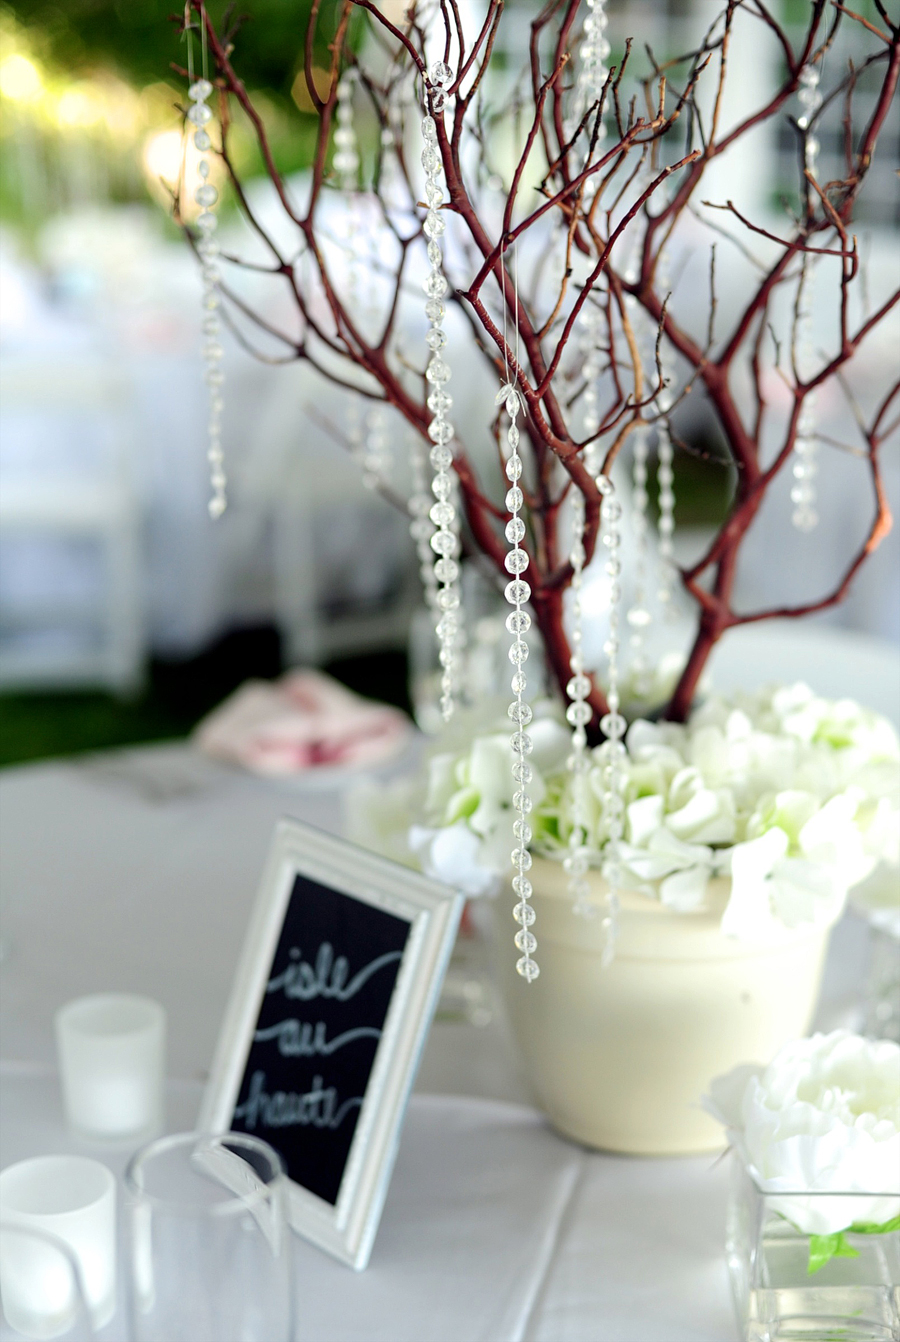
pixel 619 1057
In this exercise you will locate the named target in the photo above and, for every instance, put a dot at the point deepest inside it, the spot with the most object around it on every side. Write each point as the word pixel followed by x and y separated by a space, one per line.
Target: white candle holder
pixel 112 1062
pixel 72 1199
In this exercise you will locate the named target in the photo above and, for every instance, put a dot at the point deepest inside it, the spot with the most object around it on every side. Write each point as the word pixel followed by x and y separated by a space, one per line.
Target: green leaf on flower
pixel 822 1248
pixel 870 1228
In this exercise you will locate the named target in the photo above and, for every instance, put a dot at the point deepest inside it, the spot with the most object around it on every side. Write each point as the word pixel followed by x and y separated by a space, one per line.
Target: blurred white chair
pixel 67 502
pixel 345 578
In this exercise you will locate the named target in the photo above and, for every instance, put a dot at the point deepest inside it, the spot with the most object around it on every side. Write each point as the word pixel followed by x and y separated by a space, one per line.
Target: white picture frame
pixel 346 1229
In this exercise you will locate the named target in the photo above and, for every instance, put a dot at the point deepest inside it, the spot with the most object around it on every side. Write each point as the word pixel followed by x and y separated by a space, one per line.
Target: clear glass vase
pixel 788 1284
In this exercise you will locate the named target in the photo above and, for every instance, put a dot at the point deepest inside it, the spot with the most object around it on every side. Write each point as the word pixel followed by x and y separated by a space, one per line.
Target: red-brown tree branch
pixel 592 188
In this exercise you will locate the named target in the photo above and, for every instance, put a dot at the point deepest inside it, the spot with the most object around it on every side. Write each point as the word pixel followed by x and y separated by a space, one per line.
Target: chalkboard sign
pixel 327 1019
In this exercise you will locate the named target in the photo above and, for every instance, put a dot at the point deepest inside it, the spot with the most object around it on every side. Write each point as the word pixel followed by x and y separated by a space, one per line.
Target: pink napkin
pixel 303 721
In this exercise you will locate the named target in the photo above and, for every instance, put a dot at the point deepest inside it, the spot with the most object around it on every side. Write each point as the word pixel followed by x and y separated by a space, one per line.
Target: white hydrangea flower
pixel 795 797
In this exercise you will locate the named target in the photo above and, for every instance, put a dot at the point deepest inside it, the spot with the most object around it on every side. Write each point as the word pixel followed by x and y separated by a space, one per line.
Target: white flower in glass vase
pixel 822 1118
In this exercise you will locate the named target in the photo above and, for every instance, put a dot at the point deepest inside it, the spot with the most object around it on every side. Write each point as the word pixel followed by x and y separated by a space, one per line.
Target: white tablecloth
pixel 136 870
pixel 494 1230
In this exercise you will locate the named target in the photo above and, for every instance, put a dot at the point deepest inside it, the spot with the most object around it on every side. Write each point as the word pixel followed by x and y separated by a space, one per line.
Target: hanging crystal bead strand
pixel 638 616
pixel 518 622
pixel 444 515
pixel 591 367
pixel 665 476
pixel 806 448
pixel 592 72
pixel 612 724
pixel 421 528
pixel 206 195
pixel 578 713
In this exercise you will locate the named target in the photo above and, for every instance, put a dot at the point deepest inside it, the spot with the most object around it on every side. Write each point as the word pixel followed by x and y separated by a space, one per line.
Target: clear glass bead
pixel 522 831
pixel 441 73
pixel 445 569
pixel 522 772
pixel 206 222
pixel 448 625
pixel 435 310
pixel 435 285
pixel 430 161
pixel 613 724
pixel 579 687
pixel 514 499
pixel 440 431
pixel 512 433
pixel 441 458
pixel 202 140
pixel 521 858
pixel 434 225
pixel 522 802
pixel 521 744
pixel 526 941
pixel 447 599
pixel 443 543
pixel 518 622
pixel 435 338
pixel 433 193
pixel 523 913
pixel 420 529
pixel 514 468
pixel 519 683
pixel 442 514
pixel 429 128
pixel 578 714
pixel 516 561
pixel 442 485
pixel 515 532
pixel 203 168
pixel 437 371
pixel 346 161
pixel 520 713
pixel 434 254
pixel 439 400
pixel 438 99
pixel 517 592
pixel 206 194
pixel 518 652
pixel 199 114
pixel 527 968
pixel 200 90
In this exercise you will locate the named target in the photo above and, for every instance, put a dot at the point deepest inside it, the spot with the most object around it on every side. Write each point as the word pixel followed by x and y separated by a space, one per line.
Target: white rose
pixel 822 1118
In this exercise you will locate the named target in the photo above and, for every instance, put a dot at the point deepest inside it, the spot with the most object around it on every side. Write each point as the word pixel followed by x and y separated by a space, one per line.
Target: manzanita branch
pixel 606 193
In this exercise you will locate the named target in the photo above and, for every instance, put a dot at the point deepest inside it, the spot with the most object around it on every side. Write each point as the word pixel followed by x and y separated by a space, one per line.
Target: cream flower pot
pixel 619 1057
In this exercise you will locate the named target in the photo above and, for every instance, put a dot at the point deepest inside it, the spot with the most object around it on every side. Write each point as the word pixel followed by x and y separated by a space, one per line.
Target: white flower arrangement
pixel 794 797
pixel 820 1122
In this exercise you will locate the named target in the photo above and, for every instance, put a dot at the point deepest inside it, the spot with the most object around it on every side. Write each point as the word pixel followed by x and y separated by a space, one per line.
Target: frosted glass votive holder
pixel 73 1199
pixel 112 1063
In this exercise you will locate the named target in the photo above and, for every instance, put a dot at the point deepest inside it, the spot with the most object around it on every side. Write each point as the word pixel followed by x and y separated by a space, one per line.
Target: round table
pixel 136 870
